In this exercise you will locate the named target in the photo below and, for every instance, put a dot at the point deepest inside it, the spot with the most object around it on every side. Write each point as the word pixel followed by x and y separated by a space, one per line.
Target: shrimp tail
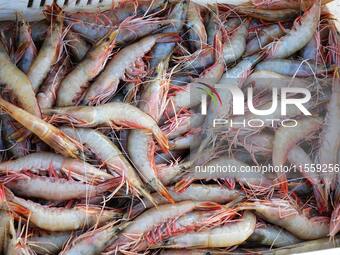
pixel 164 192
pixel 161 139
pixel 18 209
pixel 208 206
pixel 183 184
pixel 168 38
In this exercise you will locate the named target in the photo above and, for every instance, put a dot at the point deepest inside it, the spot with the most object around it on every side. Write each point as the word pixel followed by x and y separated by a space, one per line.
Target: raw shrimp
pixel 272 236
pixel 177 18
pixel 283 214
pixel 312 49
pixel 298 36
pixel 285 4
pixel 77 45
pixel 300 159
pixel 107 82
pixel 267 80
pixel 287 138
pixel 92 242
pixel 187 223
pixel 186 141
pixel 44 161
pixel 51 49
pixel 154 217
pixel 48 133
pixel 47 92
pixel 269 15
pixel 195 192
pixel 74 84
pixel 109 114
pixel 293 67
pixel 141 147
pixel 48 243
pixel 141 150
pixel 93 25
pixel 235 45
pixel 56 188
pixel 213 26
pixel 18 83
pixel 110 156
pixel 330 139
pixel 59 219
pixel 265 36
pixel 197 35
pixel 233 169
pixel 230 234
pixel 26 47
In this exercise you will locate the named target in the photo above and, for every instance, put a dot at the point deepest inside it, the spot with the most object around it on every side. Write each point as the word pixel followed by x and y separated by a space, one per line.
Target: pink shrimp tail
pixel 334 227
pixel 183 184
pixel 209 206
pixel 165 193
pixel 19 209
pixel 162 140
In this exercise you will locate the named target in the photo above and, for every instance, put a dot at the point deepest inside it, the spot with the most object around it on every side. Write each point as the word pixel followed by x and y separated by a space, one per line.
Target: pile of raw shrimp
pixel 102 129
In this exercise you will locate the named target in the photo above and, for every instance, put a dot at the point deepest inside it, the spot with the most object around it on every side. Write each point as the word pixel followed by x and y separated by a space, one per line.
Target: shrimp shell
pixel 297 37
pixel 59 219
pixel 48 133
pixel 116 113
pixel 283 214
pixel 49 51
pixel 286 138
pixel 110 155
pixel 43 161
pixel 235 45
pixel 18 83
pixel 56 189
pixel 26 47
pixel 107 82
pixel 225 236
pixel 73 85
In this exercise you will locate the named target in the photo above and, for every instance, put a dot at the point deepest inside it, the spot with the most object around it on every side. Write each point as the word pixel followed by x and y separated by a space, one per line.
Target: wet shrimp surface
pixel 171 127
